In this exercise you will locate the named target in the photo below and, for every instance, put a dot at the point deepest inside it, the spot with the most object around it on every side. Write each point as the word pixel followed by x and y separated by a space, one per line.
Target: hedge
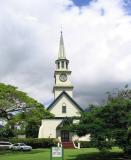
pixel 89 144
pixel 85 144
pixel 36 142
pixel 45 142
pixel 4 139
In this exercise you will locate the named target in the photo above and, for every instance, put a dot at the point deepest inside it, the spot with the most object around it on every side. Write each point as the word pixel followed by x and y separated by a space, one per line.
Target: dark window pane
pixel 62 64
pixel 66 65
pixel 63 109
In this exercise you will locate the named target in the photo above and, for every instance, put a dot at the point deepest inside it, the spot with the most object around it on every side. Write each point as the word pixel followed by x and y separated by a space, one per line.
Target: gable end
pixel 64 93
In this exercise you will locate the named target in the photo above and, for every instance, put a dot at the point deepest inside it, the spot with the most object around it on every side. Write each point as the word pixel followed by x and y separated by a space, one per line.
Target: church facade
pixel 63 106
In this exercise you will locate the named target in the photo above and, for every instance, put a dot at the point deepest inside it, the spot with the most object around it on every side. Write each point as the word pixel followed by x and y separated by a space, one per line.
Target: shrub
pixel 36 142
pixel 84 144
pixel 4 139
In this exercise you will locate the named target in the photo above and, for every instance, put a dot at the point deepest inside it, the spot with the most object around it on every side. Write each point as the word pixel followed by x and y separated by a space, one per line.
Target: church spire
pixel 61 54
pixel 62 72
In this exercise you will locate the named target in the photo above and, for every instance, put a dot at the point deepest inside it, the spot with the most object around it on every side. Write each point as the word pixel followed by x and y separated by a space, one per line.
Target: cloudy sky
pixel 97 37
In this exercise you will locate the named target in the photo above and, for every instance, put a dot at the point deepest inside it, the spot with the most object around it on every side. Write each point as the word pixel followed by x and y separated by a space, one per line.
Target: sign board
pixel 56 152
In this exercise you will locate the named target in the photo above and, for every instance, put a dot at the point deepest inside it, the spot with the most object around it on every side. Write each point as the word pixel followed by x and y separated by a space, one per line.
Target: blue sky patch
pixel 127 6
pixel 81 3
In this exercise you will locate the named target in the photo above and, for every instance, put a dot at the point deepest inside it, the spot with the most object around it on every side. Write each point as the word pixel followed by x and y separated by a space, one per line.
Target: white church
pixel 63 106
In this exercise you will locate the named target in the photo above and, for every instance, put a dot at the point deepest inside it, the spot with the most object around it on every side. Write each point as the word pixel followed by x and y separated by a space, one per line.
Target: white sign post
pixel 57 152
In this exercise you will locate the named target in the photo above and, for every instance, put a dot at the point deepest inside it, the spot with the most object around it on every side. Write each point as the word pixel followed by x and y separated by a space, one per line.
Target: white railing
pixel 78 145
pixel 59 144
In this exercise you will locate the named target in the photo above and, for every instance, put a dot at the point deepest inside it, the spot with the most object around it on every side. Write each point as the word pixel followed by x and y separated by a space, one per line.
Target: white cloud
pixel 97 42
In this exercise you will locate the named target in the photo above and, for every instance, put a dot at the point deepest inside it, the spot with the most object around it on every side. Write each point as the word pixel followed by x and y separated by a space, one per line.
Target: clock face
pixel 63 77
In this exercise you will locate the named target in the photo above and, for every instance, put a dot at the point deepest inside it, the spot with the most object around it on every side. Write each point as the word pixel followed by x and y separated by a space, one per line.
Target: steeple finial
pixel 61 29
pixel 61 54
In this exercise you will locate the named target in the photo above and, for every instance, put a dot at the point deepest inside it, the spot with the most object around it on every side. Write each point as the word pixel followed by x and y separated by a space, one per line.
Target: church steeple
pixel 61 62
pixel 61 54
pixel 62 72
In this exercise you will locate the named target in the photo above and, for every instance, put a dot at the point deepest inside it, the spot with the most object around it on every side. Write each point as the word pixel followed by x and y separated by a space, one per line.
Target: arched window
pixel 66 65
pixel 64 108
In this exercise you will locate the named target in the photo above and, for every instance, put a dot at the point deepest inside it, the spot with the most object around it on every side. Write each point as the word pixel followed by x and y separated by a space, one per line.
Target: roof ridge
pixel 78 106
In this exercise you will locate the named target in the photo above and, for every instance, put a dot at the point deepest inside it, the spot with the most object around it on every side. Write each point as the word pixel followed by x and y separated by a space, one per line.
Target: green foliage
pixel 4 139
pixel 11 99
pixel 116 115
pixel 109 124
pixel 6 132
pixel 30 121
pixel 30 114
pixel 84 144
pixel 31 129
pixel 36 142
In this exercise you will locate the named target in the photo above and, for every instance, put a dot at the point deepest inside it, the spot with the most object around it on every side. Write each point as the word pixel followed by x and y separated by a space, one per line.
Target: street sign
pixel 57 152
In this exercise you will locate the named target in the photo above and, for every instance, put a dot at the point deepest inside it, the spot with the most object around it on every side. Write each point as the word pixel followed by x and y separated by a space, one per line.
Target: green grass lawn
pixel 69 154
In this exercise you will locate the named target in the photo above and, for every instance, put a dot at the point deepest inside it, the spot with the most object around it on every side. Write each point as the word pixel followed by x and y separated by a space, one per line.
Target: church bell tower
pixel 62 73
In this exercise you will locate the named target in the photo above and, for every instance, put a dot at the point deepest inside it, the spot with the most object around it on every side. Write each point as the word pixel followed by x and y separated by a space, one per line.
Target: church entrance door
pixel 64 136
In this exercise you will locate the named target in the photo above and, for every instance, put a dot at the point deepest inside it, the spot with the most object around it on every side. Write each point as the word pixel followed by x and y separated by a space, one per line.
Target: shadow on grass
pixel 10 152
pixel 101 156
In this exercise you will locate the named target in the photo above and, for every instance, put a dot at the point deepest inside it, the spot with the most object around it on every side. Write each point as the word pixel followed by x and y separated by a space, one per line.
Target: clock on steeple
pixel 63 77
pixel 62 73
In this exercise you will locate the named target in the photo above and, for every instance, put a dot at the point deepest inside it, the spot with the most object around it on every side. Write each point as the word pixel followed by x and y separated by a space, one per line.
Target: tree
pixel 109 124
pixel 12 100
pixel 31 120
pixel 28 122
pixel 27 112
